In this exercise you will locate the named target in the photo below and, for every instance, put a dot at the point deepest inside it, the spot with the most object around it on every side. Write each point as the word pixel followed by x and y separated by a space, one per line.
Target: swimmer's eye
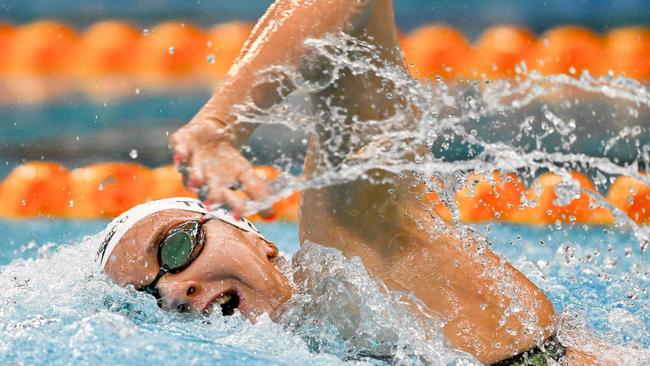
pixel 181 246
pixel 176 251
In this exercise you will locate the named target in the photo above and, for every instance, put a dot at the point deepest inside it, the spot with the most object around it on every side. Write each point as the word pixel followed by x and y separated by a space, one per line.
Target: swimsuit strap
pixel 538 356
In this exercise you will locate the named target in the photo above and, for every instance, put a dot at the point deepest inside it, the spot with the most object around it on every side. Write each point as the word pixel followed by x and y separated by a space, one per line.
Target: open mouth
pixel 228 301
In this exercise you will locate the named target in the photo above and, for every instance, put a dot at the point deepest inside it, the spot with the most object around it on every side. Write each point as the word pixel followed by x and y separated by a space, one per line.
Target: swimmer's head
pixel 210 261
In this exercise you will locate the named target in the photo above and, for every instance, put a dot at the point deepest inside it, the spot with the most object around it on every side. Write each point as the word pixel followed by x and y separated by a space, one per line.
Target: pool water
pixel 58 309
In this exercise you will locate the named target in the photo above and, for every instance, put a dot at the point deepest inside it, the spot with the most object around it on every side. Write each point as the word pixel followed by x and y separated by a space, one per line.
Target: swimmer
pixel 192 259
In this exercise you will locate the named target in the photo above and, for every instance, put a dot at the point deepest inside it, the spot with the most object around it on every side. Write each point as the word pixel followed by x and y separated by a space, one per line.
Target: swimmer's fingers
pixel 236 204
pixel 257 189
pixel 238 173
pixel 225 198
pixel 194 175
pixel 192 136
pixel 254 186
pixel 181 142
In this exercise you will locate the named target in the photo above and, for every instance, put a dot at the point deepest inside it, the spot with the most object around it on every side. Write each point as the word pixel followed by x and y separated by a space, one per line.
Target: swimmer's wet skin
pixel 203 259
pixel 181 245
pixel 399 242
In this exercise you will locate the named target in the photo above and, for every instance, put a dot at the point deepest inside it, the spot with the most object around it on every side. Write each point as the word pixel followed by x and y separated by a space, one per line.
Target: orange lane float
pixel 108 189
pixel 287 208
pixel 224 42
pixel 107 60
pixel 168 182
pixel 500 49
pixel 547 209
pixel 172 50
pixel 39 52
pixel 7 32
pixel 107 49
pixel 36 189
pixel 42 48
pixel 570 50
pixel 629 52
pixel 439 207
pixel 632 197
pixel 436 50
pixel 485 199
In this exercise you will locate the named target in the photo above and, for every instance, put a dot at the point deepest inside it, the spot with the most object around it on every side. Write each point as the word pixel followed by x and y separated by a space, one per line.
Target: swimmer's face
pixel 235 269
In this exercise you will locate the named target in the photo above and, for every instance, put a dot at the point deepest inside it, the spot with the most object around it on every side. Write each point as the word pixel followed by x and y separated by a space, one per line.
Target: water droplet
pixel 146 32
pixel 211 59
pixel 23 202
pixel 171 50
pixel 71 203
pixel 133 154
pixel 572 70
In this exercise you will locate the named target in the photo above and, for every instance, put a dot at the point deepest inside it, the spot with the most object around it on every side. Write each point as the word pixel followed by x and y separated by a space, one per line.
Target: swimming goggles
pixel 176 251
pixel 116 230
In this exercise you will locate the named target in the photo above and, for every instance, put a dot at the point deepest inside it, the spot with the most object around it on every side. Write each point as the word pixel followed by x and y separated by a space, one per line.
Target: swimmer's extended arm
pixel 278 39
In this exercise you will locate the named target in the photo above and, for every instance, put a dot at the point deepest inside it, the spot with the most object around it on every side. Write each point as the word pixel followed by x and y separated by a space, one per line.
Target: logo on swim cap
pixel 112 228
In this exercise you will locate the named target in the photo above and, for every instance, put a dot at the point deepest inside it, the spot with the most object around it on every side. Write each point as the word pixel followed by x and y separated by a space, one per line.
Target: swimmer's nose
pixel 177 296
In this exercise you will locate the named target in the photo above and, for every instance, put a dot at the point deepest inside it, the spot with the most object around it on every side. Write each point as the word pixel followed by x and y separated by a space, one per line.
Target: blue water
pixel 56 308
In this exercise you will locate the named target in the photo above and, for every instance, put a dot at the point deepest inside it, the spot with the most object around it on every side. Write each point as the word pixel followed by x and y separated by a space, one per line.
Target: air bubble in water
pixel 171 50
pixel 133 154
pixel 23 202
pixel 146 32
pixel 211 59
pixel 71 203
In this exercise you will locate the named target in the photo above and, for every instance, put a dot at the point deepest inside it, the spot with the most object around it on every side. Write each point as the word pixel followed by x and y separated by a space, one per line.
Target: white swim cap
pixel 120 225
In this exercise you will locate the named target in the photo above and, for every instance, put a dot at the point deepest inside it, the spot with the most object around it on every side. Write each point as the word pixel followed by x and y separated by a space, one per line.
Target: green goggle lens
pixel 176 250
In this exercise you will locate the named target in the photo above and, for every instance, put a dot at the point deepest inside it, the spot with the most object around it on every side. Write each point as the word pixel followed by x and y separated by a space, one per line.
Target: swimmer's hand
pixel 216 168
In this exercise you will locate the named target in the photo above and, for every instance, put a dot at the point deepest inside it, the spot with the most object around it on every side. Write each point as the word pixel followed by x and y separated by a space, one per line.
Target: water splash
pixel 529 125
pixel 339 309
pixel 57 309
